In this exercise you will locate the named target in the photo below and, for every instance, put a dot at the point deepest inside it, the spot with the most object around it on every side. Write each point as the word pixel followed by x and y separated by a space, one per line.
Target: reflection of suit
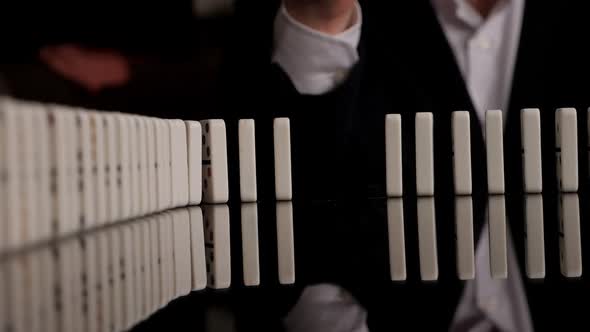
pixel 340 134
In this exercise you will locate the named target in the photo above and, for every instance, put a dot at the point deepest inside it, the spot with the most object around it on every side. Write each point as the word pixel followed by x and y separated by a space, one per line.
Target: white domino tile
pixel 396 236
pixel 162 177
pixel 285 242
pixel 535 237
pixel 461 153
pixel 134 161
pixel 98 168
pixel 282 157
pixel 159 158
pixel 58 171
pixel 144 206
pixel 62 221
pixel 33 231
pixel 164 172
pixel 250 251
pixel 74 172
pixel 566 149
pixel 125 169
pixel 215 178
pixel 86 176
pixel 494 138
pixel 195 163
pixel 199 267
pixel 4 226
pixel 179 158
pixel 10 182
pixel 530 122
pixel 217 246
pixel 497 234
pixel 464 237
pixel 570 246
pixel 427 245
pixel 152 179
pixel 167 163
pixel 393 155
pixel 22 228
pixel 30 199
pixel 3 196
pixel 25 230
pixel 247 159
pixel 424 154
pixel 182 252
pixel 215 173
pixel 112 163
pixel 42 162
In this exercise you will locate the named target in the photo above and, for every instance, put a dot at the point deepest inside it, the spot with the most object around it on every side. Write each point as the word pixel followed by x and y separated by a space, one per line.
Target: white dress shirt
pixel 485 50
pixel 314 61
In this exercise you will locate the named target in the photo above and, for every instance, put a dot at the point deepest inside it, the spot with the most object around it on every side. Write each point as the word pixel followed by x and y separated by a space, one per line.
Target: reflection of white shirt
pixel 485 51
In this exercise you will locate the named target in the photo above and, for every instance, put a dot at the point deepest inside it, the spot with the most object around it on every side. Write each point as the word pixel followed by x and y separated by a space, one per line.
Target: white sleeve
pixel 315 62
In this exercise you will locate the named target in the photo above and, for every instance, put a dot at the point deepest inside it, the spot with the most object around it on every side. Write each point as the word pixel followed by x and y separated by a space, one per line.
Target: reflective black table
pixel 404 260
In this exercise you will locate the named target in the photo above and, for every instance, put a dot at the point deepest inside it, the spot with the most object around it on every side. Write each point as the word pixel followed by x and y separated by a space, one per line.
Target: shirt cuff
pixel 315 62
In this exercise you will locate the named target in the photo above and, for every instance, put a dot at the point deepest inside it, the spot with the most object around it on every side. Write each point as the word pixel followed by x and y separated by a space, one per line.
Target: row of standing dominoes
pixel 534 240
pixel 65 169
pixel 215 160
pixel 282 159
pixel 566 146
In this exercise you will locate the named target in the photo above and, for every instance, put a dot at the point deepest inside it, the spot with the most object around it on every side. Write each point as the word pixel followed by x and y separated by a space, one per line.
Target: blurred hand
pixel 92 69
pixel 328 16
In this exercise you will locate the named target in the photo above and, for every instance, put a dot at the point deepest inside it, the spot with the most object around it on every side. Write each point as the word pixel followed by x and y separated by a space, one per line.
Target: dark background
pixel 183 64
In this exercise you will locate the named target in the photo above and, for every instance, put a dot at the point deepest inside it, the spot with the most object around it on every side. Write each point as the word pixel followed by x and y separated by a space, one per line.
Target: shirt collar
pixel 467 14
pixel 463 12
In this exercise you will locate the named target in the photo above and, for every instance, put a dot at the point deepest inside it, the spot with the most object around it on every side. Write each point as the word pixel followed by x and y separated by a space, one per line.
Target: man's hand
pixel 92 69
pixel 328 16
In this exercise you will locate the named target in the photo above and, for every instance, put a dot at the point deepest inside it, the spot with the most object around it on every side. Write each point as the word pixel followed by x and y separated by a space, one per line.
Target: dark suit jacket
pixel 406 66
